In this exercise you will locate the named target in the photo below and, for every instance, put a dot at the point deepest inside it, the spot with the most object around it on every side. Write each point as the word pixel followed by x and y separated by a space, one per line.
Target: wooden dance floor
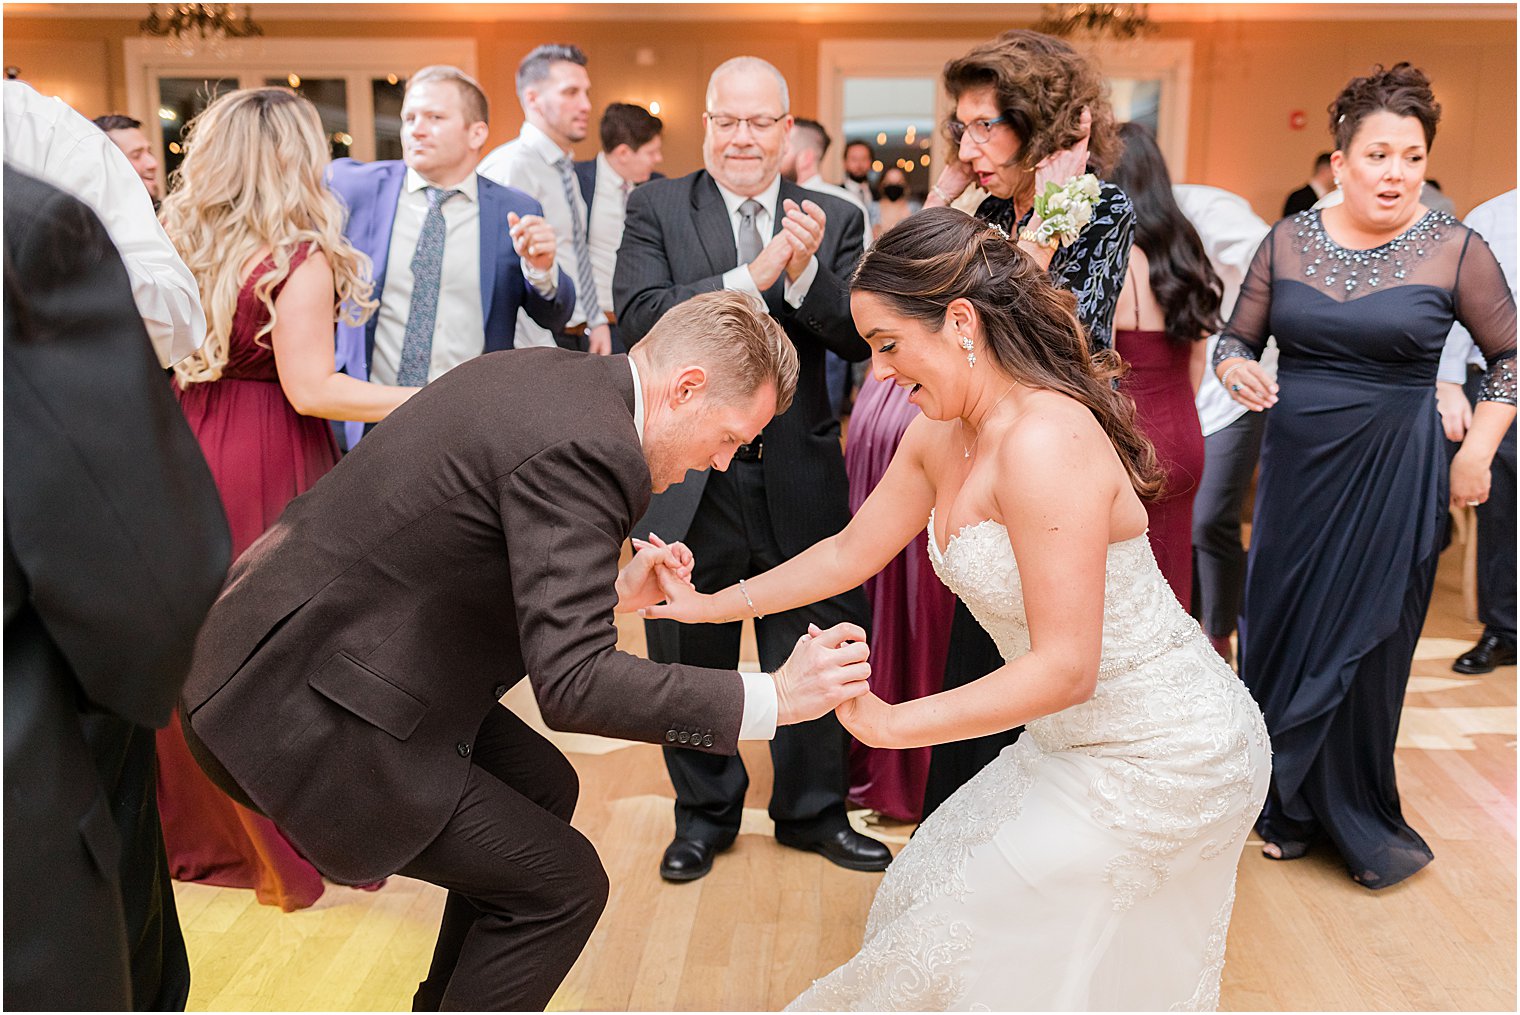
pixel 768 920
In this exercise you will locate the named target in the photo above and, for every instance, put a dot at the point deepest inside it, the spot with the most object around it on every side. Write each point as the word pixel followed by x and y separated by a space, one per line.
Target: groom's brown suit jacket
pixel 470 539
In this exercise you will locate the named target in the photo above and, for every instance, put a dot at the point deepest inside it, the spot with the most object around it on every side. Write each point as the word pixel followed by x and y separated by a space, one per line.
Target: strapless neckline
pixel 955 536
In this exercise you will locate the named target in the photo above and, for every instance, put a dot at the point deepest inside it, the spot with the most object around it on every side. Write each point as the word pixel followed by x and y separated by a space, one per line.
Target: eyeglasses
pixel 980 130
pixel 725 124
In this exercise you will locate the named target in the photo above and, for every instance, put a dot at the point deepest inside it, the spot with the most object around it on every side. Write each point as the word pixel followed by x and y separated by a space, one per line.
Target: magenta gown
pixel 1166 413
pixel 910 612
pixel 262 454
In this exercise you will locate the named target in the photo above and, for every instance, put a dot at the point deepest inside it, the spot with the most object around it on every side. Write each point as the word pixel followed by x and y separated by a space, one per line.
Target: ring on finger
pixel 1234 387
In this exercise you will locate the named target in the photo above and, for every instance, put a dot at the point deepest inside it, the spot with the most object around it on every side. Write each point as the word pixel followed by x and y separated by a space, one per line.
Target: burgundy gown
pixel 1166 412
pixel 262 454
pixel 910 611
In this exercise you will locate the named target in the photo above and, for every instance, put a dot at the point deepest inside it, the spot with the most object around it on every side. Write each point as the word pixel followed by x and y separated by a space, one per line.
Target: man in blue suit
pixel 455 255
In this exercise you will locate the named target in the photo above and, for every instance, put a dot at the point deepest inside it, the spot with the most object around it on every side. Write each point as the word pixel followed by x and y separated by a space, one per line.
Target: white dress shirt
pixel 739 277
pixel 459 328
pixel 758 721
pixel 527 162
pixel 609 209
pixel 1494 220
pixel 822 186
pixel 46 139
pixel 1230 232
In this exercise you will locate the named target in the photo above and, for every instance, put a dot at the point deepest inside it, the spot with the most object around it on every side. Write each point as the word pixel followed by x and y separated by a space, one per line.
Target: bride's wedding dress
pixel 1092 864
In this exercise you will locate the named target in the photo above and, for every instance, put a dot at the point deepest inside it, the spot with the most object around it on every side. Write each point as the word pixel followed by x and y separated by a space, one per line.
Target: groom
pixel 346 682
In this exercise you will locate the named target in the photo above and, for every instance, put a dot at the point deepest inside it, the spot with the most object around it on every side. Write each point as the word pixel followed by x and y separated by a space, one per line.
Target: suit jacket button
pixel 499 690
pixel 670 736
pixel 463 747
pixel 707 740
pixel 685 738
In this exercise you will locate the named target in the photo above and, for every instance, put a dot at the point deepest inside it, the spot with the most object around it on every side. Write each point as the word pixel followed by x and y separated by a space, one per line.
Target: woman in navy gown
pixel 1028 109
pixel 1354 488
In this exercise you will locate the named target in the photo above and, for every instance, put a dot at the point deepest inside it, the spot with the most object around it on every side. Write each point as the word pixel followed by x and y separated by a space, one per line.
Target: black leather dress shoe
pixel 845 847
pixel 688 859
pixel 1491 651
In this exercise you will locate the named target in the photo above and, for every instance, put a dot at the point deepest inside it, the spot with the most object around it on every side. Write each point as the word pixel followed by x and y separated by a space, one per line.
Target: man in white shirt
pixel 632 146
pixel 1457 383
pixel 490 253
pixel 47 139
pixel 555 91
pixel 739 225
pixel 859 157
pixel 1231 232
pixel 126 133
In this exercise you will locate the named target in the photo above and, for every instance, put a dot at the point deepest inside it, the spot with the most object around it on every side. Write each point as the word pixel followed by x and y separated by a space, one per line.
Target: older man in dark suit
pixel 347 681
pixel 115 545
pixel 739 225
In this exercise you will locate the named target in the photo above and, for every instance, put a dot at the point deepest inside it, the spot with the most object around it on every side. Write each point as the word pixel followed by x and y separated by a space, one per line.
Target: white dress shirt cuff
pixel 739 278
pixel 545 283
pixel 796 292
pixel 759 722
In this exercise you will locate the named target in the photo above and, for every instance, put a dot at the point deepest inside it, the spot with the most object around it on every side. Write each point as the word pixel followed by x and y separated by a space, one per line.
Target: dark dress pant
pixel 1219 558
pixel 525 888
pixel 125 756
pixel 731 538
pixel 1496 532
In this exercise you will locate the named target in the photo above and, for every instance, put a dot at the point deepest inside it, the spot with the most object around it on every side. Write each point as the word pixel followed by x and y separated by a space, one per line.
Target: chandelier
pixel 187 27
pixel 1095 22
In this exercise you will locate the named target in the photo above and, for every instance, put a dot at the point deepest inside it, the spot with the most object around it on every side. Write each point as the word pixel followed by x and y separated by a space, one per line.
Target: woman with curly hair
pixel 1030 111
pixel 1167 309
pixel 1354 489
pixel 254 221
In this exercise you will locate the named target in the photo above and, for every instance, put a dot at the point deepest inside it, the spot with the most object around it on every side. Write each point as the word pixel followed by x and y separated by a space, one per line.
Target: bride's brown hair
pixel 940 255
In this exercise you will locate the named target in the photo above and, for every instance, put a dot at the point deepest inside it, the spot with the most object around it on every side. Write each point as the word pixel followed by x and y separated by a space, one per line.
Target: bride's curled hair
pixel 251 180
pixel 1031 328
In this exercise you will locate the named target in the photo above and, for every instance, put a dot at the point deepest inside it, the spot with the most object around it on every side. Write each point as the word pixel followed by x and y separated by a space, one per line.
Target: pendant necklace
pixel 969 448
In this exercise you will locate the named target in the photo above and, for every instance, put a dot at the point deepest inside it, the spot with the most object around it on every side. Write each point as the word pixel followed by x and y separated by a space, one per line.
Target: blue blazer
pixel 370 191
pixel 585 175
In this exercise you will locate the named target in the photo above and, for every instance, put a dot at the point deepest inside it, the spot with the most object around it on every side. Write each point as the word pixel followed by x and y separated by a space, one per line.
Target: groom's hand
pixel 640 583
pixel 825 669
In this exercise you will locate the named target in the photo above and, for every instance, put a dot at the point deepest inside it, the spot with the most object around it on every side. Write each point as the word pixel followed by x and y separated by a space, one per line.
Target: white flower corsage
pixel 1063 210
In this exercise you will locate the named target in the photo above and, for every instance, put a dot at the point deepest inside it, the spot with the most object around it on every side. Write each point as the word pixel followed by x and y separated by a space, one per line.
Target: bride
pixel 1092 864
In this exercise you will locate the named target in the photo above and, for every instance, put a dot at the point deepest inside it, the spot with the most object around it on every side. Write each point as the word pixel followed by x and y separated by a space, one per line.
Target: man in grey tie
pixel 555 91
pixel 739 225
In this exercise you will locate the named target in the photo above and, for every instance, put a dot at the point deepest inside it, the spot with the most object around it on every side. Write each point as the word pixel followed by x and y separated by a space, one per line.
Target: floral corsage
pixel 1063 211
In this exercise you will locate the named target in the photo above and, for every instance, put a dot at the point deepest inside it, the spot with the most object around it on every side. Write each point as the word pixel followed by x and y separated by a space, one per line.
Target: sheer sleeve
pixel 1093 267
pixel 1246 334
pixel 1486 307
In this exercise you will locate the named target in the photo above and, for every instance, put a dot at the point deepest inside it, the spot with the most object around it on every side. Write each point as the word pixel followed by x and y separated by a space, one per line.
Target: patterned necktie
pixel 585 280
pixel 427 274
pixel 749 234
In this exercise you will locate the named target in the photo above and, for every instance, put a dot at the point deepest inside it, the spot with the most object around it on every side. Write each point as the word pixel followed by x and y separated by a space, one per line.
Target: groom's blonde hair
pixel 732 335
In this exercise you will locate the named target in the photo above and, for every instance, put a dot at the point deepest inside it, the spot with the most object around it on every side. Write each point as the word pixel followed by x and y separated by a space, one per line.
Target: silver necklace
pixel 969 448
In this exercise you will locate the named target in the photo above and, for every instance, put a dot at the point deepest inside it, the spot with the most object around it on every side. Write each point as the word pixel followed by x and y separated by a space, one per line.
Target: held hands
pixel 826 669
pixel 792 247
pixel 866 718
pixel 533 239
pixel 1248 383
pixel 655 564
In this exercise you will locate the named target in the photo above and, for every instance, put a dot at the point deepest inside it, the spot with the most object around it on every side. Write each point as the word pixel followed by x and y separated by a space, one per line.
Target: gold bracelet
pixel 745 593
pixel 1027 235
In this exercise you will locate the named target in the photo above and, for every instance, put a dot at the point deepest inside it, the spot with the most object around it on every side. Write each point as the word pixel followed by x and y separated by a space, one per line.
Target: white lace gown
pixel 1090 866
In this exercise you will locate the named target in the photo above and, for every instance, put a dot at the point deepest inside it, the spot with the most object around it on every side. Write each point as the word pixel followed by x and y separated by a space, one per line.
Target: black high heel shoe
pixel 1288 850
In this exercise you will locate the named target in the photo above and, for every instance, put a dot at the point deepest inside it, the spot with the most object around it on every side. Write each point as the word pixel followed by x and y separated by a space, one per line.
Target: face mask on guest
pixel 892 192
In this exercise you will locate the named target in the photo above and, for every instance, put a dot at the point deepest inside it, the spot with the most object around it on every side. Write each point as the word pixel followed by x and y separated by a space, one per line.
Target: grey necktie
pixel 427 274
pixel 585 279
pixel 749 234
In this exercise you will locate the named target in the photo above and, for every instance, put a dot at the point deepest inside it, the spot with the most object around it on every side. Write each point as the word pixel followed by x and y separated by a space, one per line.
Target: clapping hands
pixel 792 247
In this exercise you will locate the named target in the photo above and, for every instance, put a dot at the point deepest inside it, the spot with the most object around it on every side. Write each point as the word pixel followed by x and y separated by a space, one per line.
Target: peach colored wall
pixel 1247 77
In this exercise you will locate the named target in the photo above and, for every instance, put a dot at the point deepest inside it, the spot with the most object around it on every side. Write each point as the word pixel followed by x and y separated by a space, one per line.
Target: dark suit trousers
pixel 1496 532
pixel 126 758
pixel 731 538
pixel 1219 559
pixel 525 888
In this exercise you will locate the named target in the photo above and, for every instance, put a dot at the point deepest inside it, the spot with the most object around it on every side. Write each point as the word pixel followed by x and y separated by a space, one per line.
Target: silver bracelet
pixel 1225 380
pixel 941 194
pixel 745 593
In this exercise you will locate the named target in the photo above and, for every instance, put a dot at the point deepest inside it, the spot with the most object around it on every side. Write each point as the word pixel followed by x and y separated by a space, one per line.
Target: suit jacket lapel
pixel 387 193
pixel 492 233
pixel 713 227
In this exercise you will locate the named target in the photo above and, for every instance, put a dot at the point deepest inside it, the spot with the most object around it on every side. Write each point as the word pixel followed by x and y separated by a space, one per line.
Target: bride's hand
pixel 678 599
pixel 868 719
pixel 639 584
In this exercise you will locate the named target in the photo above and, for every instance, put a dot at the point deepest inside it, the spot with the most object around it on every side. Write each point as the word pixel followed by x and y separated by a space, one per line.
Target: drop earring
pixel 970 351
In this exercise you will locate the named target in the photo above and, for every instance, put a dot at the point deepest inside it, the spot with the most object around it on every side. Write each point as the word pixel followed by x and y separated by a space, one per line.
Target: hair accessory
pixel 998 229
pixel 745 593
pixel 970 350
pixel 1064 211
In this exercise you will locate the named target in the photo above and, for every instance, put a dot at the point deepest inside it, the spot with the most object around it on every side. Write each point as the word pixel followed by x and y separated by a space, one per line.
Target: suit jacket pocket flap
pixel 349 683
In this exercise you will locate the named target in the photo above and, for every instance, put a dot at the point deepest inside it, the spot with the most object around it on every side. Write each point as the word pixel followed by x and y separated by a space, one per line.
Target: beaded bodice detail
pixel 1351 273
